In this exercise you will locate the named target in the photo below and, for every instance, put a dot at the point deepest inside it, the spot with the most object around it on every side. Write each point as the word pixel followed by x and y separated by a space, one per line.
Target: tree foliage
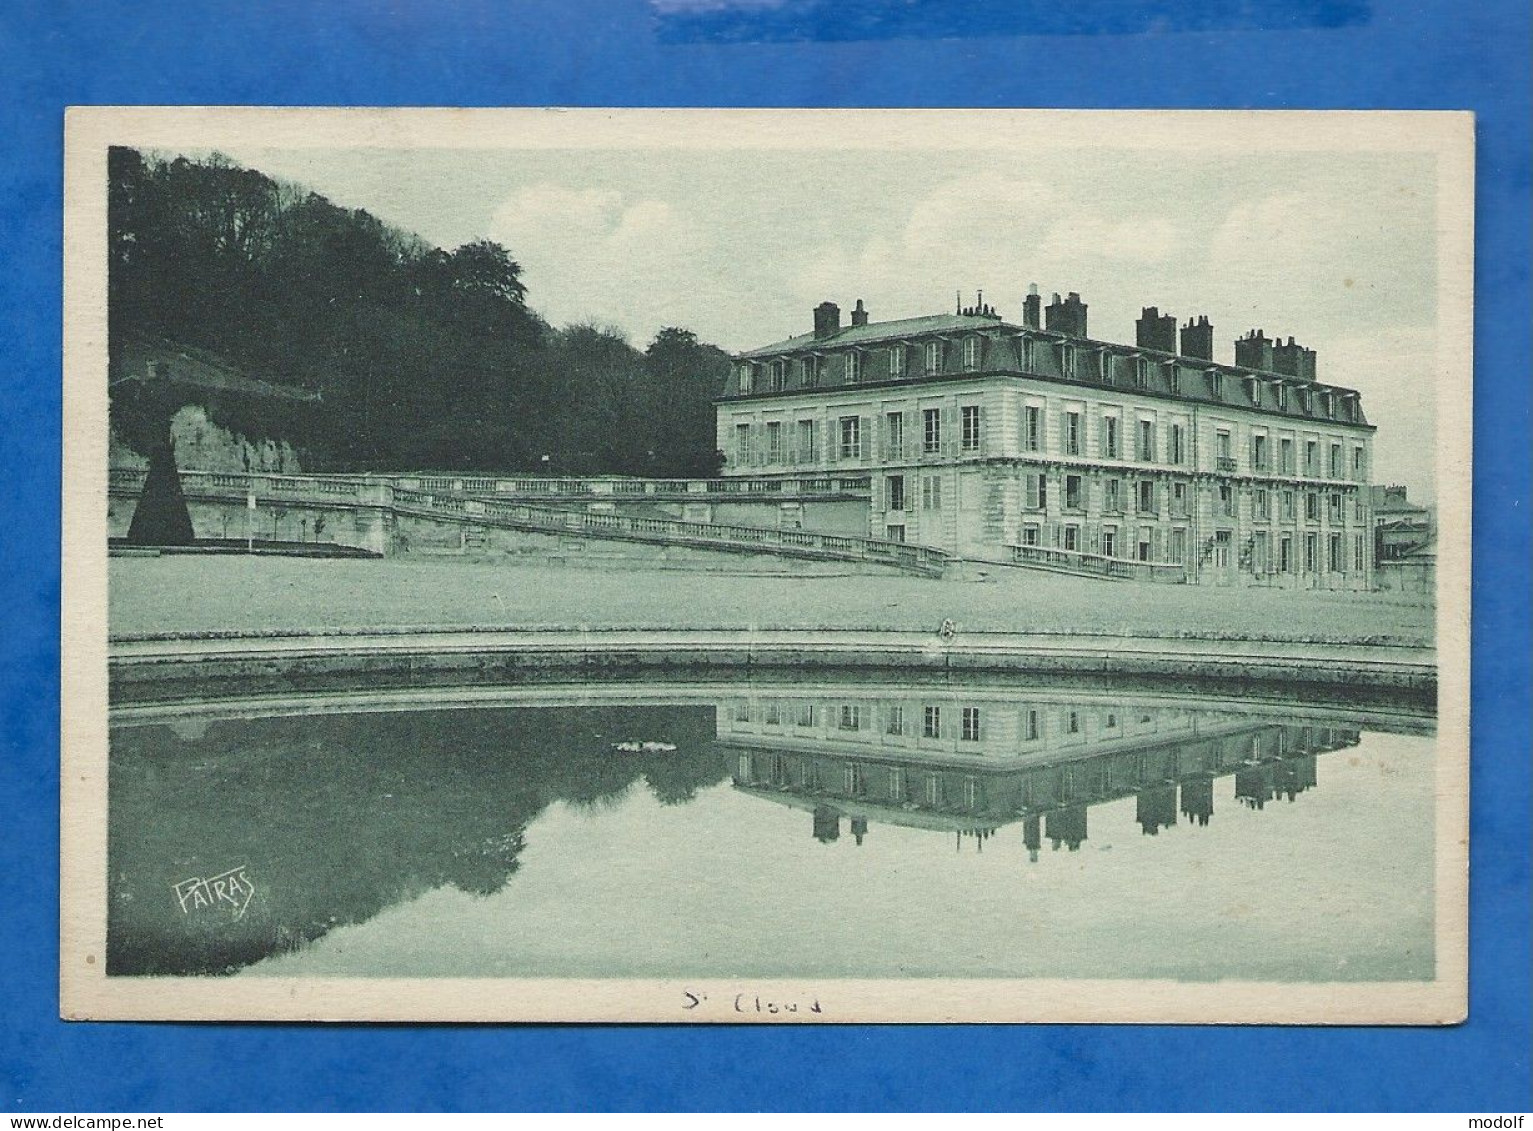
pixel 423 357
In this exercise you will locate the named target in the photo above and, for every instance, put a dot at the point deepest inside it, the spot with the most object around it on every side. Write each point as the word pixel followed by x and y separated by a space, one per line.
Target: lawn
pixel 191 593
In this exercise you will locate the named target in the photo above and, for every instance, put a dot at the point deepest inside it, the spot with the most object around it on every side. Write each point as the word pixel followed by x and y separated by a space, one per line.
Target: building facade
pixel 982 435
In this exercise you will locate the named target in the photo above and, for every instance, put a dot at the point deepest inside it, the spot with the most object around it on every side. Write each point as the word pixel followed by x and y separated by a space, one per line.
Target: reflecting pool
pixel 826 830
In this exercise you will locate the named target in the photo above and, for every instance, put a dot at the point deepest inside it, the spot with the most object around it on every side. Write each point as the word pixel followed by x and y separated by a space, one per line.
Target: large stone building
pixel 1005 441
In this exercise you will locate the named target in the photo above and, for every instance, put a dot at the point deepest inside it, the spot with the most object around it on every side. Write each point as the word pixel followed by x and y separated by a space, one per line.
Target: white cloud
pixel 596 254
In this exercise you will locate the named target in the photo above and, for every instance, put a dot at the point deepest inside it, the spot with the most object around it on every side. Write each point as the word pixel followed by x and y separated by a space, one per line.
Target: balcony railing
pixel 1225 464
pixel 1097 565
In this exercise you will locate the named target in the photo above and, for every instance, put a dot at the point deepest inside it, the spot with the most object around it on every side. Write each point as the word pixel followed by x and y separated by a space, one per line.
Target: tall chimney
pixel 859 315
pixel 1254 351
pixel 1294 360
pixel 1198 338
pixel 1155 331
pixel 1032 307
pixel 1067 317
pixel 827 319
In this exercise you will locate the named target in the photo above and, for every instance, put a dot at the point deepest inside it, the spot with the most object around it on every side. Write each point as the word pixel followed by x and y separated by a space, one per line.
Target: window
pixel 1142 372
pixel 1289 514
pixel 969 730
pixel 1226 500
pixel 1110 437
pixel 1072 430
pixel 1335 561
pixel 1072 492
pixel 1336 466
pixel 1358 513
pixel 1282 397
pixel 773 713
pixel 1259 452
pixel 1175 454
pixel 1336 511
pixel 1032 725
pixel 1359 553
pixel 931 493
pixel 1312 506
pixel 895 723
pixel 1173 378
pixel 1032 428
pixel 1106 368
pixel 897 361
pixel 743 444
pixel 1072 538
pixel 809 371
pixel 1357 465
pixel 807 452
pixel 1263 504
pixel 856 779
pixel 1146 541
pixel 1146 499
pixel 1311 457
pixel 1179 545
pixel 1285 551
pixel 805 715
pixel 1179 498
pixel 1035 486
pixel 1225 460
pixel 774 441
pixel 895 532
pixel 1147 441
pixel 851 437
pixel 896 783
pixel 1216 384
pixel 931 430
pixel 894 435
pixel 779 374
pixel 1031 534
pixel 1112 500
pixel 851 716
pixel 931 725
pixel 968 432
pixel 1285 448
pixel 1074 726
pixel 1311 553
pixel 1110 541
pixel 853 367
pixel 971 353
pixel 747 378
pixel 933 357
pixel 1067 360
pixel 895 485
pixel 743 711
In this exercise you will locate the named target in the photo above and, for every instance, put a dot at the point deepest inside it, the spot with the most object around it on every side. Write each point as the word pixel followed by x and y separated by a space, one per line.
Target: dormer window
pixel 1106 368
pixel 1254 390
pixel 1216 383
pixel 1142 372
pixel 1330 405
pixel 1029 357
pixel 853 367
pixel 1282 396
pixel 897 360
pixel 971 353
pixel 747 377
pixel 809 371
pixel 779 379
pixel 933 357
pixel 1067 360
pixel 1173 378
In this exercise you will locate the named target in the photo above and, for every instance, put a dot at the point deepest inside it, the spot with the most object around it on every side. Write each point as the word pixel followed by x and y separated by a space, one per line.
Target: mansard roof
pixel 1191 383
pixel 878 332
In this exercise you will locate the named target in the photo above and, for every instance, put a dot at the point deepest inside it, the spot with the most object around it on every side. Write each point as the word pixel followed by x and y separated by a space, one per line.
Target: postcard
pixel 779 566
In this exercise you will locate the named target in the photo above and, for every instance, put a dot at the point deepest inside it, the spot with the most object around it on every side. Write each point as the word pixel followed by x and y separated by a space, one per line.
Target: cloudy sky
pixel 1335 248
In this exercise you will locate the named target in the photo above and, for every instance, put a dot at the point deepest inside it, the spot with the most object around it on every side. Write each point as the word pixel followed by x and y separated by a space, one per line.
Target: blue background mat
pixel 1213 53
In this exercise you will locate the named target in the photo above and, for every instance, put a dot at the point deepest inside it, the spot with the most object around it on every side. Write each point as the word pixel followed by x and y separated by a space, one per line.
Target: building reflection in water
pixel 969 766
pixel 337 817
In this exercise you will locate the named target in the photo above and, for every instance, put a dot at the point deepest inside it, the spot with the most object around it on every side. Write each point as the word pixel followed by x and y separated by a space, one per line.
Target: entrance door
pixel 1224 558
pixel 971 517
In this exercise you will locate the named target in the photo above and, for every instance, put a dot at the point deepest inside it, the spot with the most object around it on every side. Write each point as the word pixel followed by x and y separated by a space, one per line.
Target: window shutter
pixel 865 436
pixel 832 439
